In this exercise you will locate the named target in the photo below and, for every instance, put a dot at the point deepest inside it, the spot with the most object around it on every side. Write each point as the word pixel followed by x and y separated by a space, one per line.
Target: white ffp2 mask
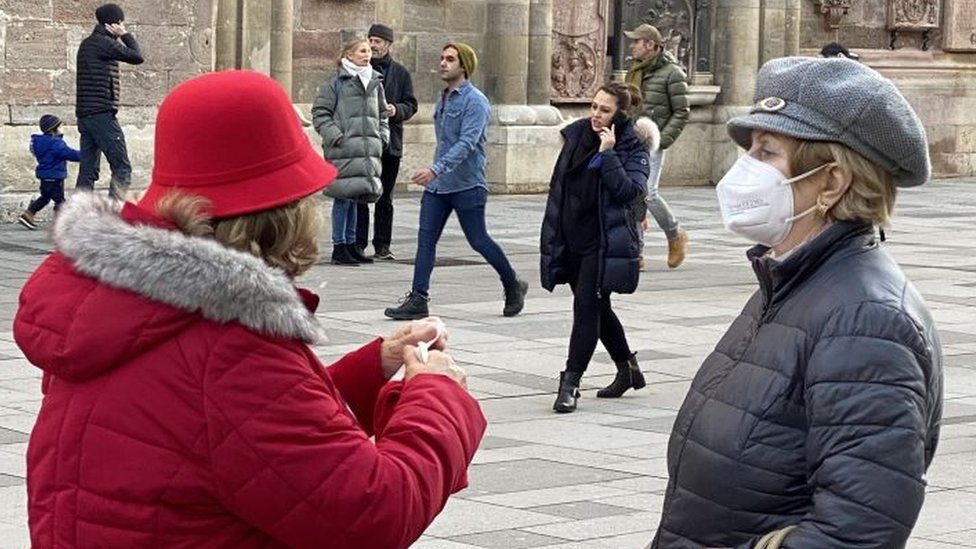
pixel 757 202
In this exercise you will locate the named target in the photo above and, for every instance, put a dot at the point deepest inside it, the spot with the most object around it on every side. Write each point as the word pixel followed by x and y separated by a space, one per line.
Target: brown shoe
pixel 27 219
pixel 676 250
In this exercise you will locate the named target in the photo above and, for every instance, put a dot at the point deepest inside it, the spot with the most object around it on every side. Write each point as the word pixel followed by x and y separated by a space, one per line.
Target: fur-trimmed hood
pixel 645 129
pixel 648 133
pixel 106 259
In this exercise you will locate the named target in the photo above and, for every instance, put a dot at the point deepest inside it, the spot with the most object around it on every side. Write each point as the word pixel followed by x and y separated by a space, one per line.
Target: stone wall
pixel 38 43
pixel 39 38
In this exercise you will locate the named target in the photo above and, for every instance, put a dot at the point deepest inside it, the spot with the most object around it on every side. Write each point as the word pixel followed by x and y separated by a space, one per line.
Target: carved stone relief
pixel 913 14
pixel 579 43
pixel 959 32
pixel 672 17
pixel 685 25
pixel 833 12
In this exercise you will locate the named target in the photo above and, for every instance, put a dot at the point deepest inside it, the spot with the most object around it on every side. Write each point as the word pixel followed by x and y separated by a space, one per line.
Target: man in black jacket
pixel 97 99
pixel 401 105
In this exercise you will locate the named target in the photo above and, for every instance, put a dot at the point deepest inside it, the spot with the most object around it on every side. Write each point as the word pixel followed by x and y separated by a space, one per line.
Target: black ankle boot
pixel 569 383
pixel 628 376
pixel 515 297
pixel 357 254
pixel 341 256
pixel 413 306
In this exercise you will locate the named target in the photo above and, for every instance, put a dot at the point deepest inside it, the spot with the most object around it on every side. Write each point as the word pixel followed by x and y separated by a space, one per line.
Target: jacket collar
pixel 777 279
pixel 133 250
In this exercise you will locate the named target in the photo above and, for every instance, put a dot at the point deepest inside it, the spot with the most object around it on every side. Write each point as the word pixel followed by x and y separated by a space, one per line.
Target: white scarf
pixel 365 74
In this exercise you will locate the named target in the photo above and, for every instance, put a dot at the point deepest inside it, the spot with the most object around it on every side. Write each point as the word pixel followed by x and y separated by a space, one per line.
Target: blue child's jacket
pixel 52 155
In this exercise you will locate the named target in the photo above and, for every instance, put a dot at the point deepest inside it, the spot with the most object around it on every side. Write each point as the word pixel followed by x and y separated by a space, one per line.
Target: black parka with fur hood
pixel 623 179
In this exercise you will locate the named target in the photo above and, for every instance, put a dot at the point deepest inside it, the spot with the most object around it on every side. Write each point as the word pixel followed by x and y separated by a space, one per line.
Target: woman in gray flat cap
pixel 818 412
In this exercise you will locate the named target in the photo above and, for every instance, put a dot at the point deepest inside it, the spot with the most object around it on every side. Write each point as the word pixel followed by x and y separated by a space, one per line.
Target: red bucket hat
pixel 233 138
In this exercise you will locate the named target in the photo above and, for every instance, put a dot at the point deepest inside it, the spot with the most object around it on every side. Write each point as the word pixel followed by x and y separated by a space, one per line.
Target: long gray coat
pixel 820 408
pixel 354 130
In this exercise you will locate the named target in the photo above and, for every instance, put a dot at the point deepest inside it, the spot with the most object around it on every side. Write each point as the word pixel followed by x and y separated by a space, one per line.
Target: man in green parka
pixel 664 86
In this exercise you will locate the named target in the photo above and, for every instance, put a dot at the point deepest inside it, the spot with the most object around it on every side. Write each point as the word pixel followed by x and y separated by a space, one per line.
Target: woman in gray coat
pixel 350 115
pixel 818 413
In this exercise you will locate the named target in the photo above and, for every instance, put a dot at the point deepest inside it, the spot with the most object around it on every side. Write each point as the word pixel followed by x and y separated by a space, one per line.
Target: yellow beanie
pixel 469 60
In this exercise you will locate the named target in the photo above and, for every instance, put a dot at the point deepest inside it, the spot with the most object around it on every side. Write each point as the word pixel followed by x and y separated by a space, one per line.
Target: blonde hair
pixel 285 237
pixel 871 196
pixel 349 45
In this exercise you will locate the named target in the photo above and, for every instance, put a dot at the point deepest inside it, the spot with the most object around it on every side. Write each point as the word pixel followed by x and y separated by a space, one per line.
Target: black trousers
pixel 102 134
pixel 383 226
pixel 593 317
pixel 51 190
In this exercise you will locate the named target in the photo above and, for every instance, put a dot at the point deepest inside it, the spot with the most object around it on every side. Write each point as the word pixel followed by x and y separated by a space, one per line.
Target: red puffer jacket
pixel 183 407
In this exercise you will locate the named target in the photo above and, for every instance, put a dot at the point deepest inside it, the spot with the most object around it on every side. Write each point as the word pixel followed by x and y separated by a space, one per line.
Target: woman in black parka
pixel 819 410
pixel 590 238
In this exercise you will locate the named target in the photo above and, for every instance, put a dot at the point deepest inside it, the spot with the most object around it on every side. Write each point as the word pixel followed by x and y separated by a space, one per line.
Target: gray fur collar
pixel 188 273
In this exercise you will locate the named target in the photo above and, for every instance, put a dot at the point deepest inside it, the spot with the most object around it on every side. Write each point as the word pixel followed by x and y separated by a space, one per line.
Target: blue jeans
pixel 655 202
pixel 469 205
pixel 343 221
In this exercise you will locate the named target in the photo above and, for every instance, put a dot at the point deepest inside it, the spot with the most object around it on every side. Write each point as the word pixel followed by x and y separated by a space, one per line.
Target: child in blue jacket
pixel 52 154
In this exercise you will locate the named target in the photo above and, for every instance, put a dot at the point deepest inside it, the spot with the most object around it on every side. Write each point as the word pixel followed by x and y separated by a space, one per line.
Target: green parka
pixel 355 131
pixel 665 90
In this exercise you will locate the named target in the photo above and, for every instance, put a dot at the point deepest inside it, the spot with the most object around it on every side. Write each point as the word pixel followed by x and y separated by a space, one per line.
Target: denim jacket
pixel 461 124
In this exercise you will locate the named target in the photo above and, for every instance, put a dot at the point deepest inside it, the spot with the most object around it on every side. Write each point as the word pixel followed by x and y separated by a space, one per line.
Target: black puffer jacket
pixel 623 176
pixel 98 70
pixel 398 87
pixel 820 407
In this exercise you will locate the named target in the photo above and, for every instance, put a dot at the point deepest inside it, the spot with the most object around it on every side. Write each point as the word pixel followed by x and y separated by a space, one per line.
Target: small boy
pixel 52 154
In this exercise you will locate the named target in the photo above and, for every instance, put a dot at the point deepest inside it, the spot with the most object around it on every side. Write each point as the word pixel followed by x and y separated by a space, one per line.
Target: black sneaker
pixel 384 254
pixel 515 297
pixel 413 306
pixel 27 221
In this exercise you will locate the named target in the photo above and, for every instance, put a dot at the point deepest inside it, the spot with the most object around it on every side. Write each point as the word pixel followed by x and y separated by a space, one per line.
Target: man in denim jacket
pixel 456 183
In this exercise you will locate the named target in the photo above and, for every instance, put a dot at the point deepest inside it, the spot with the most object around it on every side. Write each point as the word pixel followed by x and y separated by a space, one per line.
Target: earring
pixel 822 207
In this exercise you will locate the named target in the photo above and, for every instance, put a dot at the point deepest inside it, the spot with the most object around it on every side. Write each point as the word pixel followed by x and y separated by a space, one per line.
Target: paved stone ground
pixel 593 479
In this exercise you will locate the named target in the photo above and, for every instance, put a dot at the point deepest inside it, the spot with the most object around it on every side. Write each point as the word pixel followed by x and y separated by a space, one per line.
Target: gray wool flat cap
pixel 842 101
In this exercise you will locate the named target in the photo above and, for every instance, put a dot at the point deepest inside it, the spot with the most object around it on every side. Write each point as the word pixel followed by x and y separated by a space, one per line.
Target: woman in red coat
pixel 182 404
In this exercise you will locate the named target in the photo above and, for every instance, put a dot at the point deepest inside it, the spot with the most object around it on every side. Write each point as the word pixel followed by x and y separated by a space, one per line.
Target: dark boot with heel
pixel 341 255
pixel 628 376
pixel 356 253
pixel 569 383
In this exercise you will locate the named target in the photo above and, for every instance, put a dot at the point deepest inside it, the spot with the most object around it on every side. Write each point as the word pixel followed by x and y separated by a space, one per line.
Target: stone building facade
pixel 540 62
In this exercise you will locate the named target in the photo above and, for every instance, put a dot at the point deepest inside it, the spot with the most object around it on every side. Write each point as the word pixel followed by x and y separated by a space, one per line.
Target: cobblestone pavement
pixel 593 479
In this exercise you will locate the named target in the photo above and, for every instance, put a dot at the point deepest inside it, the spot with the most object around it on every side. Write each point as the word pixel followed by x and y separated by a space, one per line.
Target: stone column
pixel 256 35
pixel 736 50
pixel 540 51
pixel 772 28
pixel 792 24
pixel 508 49
pixel 227 34
pixel 282 26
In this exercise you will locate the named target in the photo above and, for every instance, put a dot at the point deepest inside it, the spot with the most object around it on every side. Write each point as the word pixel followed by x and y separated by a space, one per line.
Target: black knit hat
pixel 49 122
pixel 109 13
pixel 836 49
pixel 381 31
